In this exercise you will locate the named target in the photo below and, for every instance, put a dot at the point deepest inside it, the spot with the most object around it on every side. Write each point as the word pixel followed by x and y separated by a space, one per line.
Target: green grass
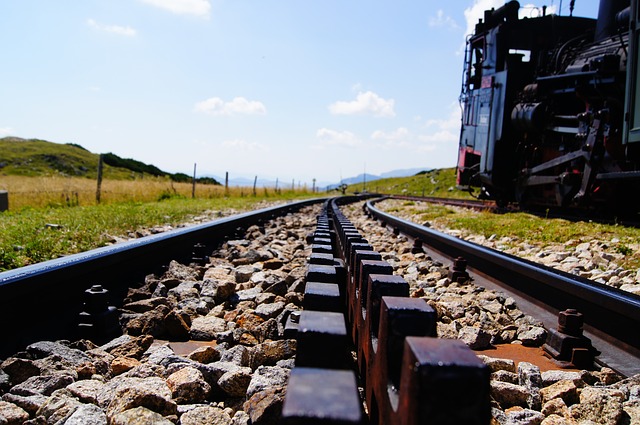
pixel 53 210
pixel 40 158
pixel 439 183
pixel 19 157
pixel 520 225
pixel 529 228
pixel 33 235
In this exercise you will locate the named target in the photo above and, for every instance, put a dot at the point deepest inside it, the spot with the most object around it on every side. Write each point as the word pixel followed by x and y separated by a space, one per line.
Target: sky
pixel 292 90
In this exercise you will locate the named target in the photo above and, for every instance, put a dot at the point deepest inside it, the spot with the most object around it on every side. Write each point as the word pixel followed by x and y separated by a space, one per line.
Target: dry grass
pixel 41 192
pixel 50 217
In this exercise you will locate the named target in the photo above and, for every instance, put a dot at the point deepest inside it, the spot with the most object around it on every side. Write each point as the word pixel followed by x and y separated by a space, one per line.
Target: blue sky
pixel 285 89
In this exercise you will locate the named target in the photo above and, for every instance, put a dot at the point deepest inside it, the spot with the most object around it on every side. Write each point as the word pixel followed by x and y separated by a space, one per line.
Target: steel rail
pixel 612 311
pixel 566 213
pixel 465 203
pixel 42 301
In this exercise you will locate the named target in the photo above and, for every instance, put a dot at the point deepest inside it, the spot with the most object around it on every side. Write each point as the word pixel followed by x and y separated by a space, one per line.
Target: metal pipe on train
pixel 608 23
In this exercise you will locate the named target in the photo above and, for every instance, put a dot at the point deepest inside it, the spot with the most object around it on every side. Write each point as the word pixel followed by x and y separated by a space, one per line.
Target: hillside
pixel 439 183
pixel 36 158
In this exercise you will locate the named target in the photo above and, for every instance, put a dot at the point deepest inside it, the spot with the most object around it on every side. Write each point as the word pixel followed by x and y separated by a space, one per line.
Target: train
pixel 550 113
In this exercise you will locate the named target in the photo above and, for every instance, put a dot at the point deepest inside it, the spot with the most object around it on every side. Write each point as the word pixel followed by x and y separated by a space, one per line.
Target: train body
pixel 549 109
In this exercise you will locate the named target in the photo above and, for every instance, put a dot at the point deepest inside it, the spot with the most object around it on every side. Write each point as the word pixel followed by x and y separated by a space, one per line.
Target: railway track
pixel 369 280
pixel 364 330
pixel 464 203
pixel 609 312
pixel 43 301
pixel 574 215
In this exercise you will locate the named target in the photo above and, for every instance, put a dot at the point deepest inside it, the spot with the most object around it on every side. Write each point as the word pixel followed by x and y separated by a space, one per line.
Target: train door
pixel 474 135
pixel 632 101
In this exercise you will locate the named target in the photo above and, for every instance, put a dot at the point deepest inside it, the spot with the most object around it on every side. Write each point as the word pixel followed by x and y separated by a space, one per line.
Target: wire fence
pixel 39 192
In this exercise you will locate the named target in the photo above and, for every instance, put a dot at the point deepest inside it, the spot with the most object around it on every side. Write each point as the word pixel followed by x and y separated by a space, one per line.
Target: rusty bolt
pixel 460 264
pixel 570 322
pixel 417 246
pixel 458 270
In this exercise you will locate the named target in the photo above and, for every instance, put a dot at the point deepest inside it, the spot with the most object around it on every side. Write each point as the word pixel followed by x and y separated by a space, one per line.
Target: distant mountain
pixel 361 178
pixel 366 178
pixel 242 181
pixel 403 173
pixel 248 182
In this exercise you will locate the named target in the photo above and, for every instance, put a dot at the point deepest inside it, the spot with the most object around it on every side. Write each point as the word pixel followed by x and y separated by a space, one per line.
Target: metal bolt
pixel 96 289
pixel 417 246
pixel 199 254
pixel 570 322
pixel 460 264
pixel 458 270
pixel 96 299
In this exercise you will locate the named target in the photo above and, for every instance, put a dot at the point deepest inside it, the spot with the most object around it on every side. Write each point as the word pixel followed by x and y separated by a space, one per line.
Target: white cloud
pixel 399 134
pixel 239 105
pixel 357 87
pixel 440 137
pixel 5 131
pixel 442 131
pixel 365 103
pixel 200 8
pixel 239 144
pixel 442 20
pixel 449 123
pixel 114 29
pixel 338 138
pixel 400 137
pixel 476 11
pixel 532 11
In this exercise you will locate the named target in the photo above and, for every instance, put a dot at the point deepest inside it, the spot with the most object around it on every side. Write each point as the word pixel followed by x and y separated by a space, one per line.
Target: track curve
pixel 610 313
pixel 42 301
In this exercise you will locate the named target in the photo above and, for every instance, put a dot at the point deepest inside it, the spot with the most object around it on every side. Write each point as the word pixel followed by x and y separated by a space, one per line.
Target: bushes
pixel 133 165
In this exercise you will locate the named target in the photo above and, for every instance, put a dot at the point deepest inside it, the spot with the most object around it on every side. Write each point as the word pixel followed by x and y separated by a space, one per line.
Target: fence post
pixel 99 187
pixel 255 181
pixel 4 200
pixel 226 183
pixel 193 187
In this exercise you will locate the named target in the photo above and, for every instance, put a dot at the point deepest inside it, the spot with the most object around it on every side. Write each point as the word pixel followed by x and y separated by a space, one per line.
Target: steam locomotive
pixel 550 113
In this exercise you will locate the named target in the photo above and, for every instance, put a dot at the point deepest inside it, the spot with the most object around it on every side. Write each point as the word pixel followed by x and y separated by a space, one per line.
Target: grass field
pixel 439 183
pixel 55 191
pixel 49 217
pixel 514 228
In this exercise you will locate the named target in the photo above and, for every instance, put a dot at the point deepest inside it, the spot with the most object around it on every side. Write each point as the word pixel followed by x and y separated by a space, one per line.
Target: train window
pixel 525 55
pixel 475 64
